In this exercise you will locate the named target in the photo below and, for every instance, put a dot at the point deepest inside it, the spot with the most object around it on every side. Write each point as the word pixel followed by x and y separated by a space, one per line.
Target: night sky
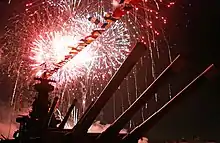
pixel 193 31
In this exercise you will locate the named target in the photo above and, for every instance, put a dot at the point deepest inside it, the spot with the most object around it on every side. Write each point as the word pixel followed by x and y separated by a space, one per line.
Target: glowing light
pixel 53 46
pixel 40 35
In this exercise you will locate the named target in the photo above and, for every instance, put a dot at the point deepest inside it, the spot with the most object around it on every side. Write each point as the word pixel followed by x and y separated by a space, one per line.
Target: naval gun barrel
pixel 87 110
pixel 62 124
pixel 82 127
pixel 137 133
pixel 51 111
pixel 120 122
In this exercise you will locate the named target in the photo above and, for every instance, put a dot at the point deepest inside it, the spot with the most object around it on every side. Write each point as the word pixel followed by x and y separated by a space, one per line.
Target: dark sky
pixel 194 28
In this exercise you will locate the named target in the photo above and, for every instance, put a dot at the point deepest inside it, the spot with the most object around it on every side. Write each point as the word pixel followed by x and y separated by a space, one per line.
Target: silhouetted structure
pixel 42 126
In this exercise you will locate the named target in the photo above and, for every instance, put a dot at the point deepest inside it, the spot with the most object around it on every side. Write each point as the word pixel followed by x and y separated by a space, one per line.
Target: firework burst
pixel 106 52
pixel 42 34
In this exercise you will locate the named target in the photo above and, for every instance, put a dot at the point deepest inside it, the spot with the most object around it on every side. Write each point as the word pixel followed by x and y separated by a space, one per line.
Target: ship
pixel 42 126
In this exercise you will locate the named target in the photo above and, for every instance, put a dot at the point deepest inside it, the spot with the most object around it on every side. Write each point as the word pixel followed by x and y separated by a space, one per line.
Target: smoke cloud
pixel 99 128
pixel 7 129
pixel 8 117
pixel 7 126
pixel 143 140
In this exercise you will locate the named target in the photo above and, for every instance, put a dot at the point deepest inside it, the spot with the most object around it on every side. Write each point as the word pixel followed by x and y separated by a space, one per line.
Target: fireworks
pixel 42 34
pixel 106 52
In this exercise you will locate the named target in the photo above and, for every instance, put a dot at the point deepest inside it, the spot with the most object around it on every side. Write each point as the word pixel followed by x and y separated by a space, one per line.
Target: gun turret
pixel 137 133
pixel 114 129
pixel 83 125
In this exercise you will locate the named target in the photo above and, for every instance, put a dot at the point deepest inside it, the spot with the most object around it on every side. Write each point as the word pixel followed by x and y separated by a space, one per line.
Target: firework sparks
pixel 43 33
pixel 107 52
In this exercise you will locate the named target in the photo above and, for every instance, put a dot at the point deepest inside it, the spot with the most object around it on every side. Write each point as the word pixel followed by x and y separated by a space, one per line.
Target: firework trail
pixel 42 32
